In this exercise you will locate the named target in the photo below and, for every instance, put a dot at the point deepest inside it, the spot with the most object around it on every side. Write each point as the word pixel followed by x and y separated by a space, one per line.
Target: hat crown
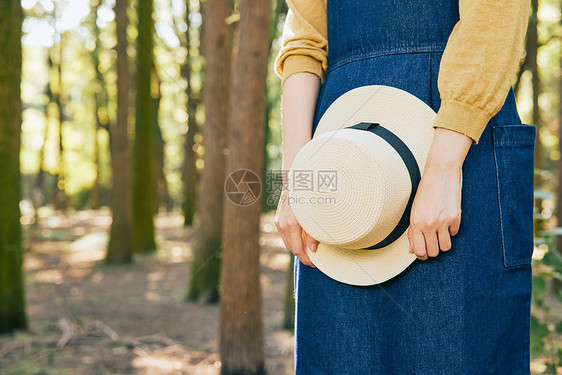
pixel 356 188
pixel 372 182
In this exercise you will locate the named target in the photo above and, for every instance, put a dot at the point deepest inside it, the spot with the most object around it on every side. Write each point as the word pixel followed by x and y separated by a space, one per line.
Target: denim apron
pixel 467 311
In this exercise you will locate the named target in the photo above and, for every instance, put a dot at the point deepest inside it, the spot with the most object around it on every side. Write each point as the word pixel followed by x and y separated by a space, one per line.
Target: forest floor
pixel 88 318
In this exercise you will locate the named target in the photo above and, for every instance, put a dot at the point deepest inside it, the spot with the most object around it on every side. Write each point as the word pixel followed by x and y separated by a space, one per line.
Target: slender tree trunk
pixel 98 87
pixel 289 313
pixel 12 300
pixel 202 41
pixel 556 283
pixel 202 44
pixel 189 176
pixel 241 328
pixel 39 190
pixel 268 196
pixel 559 163
pixel 531 48
pixel 101 104
pixel 143 169
pixel 59 199
pixel 120 247
pixel 160 184
pixel 95 195
pixel 205 268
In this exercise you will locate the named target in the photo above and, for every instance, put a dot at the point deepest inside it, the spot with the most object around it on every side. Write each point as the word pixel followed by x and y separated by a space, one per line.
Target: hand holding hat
pixel 352 186
pixel 436 212
pixel 294 237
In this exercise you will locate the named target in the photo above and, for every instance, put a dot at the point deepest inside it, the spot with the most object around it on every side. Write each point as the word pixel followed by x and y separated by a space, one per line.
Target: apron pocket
pixel 514 149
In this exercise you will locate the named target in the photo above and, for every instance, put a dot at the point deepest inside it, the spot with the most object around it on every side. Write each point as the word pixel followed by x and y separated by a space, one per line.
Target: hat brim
pixel 412 120
pixel 363 267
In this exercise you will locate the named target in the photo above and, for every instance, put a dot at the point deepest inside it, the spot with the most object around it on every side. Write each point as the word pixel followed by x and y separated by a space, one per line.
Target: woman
pixel 464 307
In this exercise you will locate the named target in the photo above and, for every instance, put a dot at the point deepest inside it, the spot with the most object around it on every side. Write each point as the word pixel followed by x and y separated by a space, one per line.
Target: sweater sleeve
pixel 304 40
pixel 480 59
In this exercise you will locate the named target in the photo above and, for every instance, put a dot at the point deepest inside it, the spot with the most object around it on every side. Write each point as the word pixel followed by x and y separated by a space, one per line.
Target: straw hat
pixel 351 187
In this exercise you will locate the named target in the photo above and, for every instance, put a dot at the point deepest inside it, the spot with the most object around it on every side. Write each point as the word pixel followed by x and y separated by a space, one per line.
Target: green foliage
pixel 546 323
pixel 539 287
pixel 539 332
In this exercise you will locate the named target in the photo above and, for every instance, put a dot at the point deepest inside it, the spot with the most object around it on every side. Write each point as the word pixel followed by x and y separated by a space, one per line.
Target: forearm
pixel 448 150
pixel 298 103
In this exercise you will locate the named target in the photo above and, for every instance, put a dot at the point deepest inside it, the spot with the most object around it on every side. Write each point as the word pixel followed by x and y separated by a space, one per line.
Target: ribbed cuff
pixel 463 118
pixel 301 63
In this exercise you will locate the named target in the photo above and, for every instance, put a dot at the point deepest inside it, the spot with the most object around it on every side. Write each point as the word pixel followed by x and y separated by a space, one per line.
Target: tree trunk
pixel 160 184
pixel 101 104
pixel 189 175
pixel 531 48
pixel 559 164
pixel 59 198
pixel 556 283
pixel 241 327
pixel 120 247
pixel 289 313
pixel 205 268
pixel 12 300
pixel 39 193
pixel 202 41
pixel 268 195
pixel 143 157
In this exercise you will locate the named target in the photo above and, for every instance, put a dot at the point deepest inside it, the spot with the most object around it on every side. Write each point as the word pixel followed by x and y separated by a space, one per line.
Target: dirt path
pixel 86 318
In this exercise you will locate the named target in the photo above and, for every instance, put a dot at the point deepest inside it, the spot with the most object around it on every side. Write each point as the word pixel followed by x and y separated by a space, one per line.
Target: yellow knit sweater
pixel 476 71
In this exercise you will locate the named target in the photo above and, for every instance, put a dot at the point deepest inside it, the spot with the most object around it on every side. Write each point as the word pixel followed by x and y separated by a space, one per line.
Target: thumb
pixel 312 244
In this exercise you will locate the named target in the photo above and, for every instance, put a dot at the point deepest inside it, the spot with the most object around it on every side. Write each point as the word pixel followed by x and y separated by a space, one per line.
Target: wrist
pixel 448 149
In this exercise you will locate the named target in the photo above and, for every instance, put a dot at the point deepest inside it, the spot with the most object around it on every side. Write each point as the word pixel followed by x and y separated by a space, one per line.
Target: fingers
pixel 435 213
pixel 431 243
pixel 410 240
pixel 297 246
pixel 418 244
pixel 455 224
pixel 449 224
pixel 435 238
pixel 312 244
pixel 444 238
pixel 294 238
pixel 307 241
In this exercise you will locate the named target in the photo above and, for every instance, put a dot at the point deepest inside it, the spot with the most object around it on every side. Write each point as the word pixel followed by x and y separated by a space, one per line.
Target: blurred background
pixel 140 146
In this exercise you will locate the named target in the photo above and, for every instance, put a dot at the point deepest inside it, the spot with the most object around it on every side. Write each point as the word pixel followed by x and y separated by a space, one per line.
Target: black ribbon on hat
pixel 413 171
